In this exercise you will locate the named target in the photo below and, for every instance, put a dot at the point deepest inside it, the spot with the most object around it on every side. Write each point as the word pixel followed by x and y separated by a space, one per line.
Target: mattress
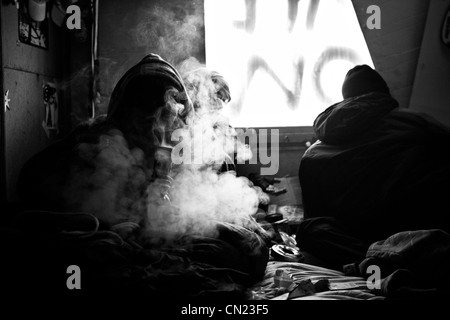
pixel 338 286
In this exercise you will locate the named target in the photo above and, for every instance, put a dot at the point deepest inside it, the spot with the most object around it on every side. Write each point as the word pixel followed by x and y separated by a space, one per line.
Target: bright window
pixel 284 60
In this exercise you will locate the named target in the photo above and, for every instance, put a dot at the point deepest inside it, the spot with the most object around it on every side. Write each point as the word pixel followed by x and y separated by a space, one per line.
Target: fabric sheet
pixel 341 287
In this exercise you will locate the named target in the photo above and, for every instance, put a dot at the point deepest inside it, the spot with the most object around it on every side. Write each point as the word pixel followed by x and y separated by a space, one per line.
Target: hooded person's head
pixel 362 79
pixel 149 102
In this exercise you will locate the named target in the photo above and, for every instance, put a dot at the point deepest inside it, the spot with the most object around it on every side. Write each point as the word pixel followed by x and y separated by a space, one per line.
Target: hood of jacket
pixel 144 85
pixel 347 120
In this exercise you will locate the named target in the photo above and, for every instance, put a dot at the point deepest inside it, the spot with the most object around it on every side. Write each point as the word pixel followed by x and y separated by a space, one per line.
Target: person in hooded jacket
pixel 376 169
pixel 137 103
pixel 85 202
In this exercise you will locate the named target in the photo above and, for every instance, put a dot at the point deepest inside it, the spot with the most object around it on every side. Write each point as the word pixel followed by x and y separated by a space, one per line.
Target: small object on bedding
pixel 303 288
pixel 288 240
pixel 259 294
pixel 294 213
pixel 284 253
pixel 345 286
pixel 282 279
pixel 322 285
pixel 275 190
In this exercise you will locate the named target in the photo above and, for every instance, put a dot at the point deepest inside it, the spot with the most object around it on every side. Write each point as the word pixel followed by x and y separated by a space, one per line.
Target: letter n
pixel 74 281
pixel 74 20
pixel 374 21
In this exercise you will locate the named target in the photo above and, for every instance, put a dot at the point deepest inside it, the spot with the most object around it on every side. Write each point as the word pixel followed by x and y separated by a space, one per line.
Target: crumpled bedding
pixel 413 264
pixel 39 246
pixel 341 287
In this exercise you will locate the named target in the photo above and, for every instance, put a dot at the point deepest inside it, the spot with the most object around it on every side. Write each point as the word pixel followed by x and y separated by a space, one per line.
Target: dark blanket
pixel 39 246
pixel 412 264
pixel 377 169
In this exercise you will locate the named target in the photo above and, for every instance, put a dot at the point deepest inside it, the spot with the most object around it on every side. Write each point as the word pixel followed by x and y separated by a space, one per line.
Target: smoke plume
pixel 200 195
pixel 173 30
pixel 199 200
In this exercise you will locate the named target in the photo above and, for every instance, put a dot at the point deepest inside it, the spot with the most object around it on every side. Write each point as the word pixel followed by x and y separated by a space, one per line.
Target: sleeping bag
pixel 375 170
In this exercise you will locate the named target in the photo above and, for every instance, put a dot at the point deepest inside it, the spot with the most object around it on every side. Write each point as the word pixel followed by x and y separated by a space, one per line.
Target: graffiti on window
pixel 284 49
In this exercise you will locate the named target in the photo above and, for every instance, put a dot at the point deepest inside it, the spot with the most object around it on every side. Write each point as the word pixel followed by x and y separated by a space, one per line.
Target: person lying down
pixel 113 198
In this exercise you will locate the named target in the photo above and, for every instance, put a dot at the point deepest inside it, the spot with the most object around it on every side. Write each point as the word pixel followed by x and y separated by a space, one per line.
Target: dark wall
pixel 78 84
pixel 66 63
pixel 128 30
pixel 395 48
pixel 431 92
pixel 2 130
pixel 25 69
